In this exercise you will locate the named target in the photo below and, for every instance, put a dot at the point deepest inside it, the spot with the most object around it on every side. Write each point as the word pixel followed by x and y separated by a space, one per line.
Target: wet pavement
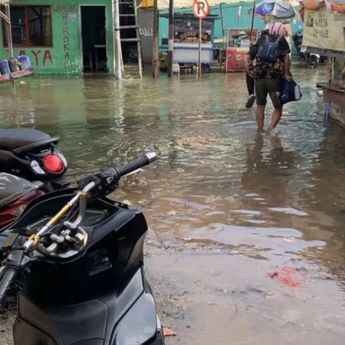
pixel 230 210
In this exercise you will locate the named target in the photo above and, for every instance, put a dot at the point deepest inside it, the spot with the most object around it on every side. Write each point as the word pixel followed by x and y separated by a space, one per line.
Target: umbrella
pixel 278 9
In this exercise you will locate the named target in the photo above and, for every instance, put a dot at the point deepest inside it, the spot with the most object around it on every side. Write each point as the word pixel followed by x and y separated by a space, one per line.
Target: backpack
pixel 268 51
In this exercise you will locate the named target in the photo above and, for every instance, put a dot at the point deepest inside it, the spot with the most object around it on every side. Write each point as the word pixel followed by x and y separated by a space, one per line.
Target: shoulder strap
pixel 278 39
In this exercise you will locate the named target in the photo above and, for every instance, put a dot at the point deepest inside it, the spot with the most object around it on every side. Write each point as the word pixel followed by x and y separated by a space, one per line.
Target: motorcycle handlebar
pixel 136 164
pixel 107 176
pixel 6 279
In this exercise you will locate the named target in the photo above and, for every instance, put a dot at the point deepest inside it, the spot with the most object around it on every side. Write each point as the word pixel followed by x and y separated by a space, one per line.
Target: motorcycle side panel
pixel 94 322
pixel 139 324
pixel 24 333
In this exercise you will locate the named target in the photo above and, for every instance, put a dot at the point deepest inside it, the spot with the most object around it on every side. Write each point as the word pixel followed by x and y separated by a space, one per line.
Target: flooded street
pixel 246 243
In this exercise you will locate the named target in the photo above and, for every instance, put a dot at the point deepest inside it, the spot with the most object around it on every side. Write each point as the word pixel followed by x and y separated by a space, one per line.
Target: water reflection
pixel 219 187
pixel 269 170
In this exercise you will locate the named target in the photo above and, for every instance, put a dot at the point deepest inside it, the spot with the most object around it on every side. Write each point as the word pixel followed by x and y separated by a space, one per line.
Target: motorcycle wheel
pixel 312 62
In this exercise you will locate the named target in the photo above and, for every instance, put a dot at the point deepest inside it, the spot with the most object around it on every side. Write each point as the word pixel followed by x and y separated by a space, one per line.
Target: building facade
pixel 76 36
pixel 62 37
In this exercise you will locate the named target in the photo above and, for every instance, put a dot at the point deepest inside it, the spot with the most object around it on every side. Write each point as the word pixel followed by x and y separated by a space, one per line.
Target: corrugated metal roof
pixel 162 4
pixel 189 3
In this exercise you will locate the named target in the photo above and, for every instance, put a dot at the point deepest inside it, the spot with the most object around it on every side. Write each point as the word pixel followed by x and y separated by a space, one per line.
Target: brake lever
pixel 109 179
pixel 105 180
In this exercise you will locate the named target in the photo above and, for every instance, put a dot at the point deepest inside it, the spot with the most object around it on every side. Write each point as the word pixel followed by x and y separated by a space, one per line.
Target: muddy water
pixel 246 241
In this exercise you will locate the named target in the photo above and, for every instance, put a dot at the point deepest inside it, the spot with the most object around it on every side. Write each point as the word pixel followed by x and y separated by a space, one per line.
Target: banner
pixel 324 29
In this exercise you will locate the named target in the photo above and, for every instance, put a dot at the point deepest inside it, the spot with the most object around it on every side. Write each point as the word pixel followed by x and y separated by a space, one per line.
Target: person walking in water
pixel 250 82
pixel 269 65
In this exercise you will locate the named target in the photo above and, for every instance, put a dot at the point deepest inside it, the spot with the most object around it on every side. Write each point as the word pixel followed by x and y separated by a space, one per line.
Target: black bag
pixel 290 92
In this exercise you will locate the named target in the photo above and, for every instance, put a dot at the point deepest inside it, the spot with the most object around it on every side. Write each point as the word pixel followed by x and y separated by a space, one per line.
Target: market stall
pixel 186 39
pixel 238 41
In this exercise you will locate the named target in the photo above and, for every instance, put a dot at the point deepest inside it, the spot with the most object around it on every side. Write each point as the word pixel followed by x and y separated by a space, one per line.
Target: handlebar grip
pixel 137 163
pixel 6 279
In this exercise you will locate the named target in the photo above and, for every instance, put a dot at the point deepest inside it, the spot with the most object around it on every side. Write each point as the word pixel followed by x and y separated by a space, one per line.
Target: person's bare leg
pixel 276 115
pixel 260 116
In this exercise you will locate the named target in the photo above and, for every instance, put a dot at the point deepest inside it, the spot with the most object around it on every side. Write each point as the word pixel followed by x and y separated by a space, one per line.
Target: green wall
pixel 65 55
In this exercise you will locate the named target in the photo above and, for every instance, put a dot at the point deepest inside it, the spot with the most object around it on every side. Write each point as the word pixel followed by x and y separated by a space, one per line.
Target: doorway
pixel 93 39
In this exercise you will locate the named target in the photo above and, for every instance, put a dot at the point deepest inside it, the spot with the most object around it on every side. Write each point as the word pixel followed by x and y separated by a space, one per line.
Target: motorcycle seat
pixel 22 139
pixel 13 187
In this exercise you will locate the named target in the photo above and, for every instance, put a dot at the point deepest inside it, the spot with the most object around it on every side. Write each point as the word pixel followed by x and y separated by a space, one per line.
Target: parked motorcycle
pixel 33 155
pixel 77 260
pixel 312 59
pixel 15 194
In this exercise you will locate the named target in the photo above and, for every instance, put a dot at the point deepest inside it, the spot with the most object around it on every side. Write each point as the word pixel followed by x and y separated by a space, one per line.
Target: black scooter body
pixel 100 296
pixel 124 316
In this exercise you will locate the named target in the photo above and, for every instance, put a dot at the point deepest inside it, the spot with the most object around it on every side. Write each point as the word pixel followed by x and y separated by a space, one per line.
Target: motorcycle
pixel 15 194
pixel 33 155
pixel 77 259
pixel 312 59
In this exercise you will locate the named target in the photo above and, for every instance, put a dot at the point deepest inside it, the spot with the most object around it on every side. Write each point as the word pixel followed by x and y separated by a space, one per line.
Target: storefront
pixel 68 37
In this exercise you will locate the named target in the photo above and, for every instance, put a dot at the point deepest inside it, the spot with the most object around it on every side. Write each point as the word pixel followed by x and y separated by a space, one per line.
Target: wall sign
pixel 324 29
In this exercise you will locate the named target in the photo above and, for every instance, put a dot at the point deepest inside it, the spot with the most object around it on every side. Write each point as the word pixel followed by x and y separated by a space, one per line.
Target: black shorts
pixel 268 86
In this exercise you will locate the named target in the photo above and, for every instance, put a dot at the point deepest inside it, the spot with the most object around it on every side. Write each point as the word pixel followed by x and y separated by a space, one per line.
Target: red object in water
pixel 168 332
pixel 288 276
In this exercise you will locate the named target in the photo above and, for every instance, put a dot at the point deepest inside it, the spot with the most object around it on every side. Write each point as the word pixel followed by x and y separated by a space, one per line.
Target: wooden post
pixel 199 52
pixel 6 17
pixel 117 45
pixel 221 19
pixel 252 24
pixel 155 48
pixel 171 37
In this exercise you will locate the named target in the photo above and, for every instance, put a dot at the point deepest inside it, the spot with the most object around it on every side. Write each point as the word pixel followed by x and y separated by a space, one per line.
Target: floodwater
pixel 246 243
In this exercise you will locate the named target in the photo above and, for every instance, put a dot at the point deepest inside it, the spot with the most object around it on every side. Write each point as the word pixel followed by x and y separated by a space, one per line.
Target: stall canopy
pixel 164 4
